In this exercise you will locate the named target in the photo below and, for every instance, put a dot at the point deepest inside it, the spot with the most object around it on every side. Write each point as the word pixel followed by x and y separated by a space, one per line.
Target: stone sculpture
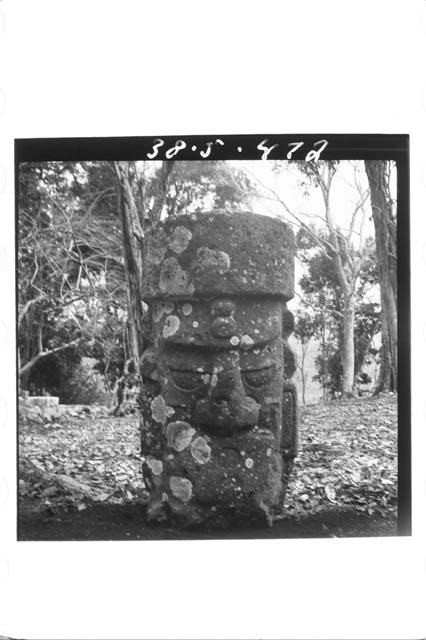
pixel 219 412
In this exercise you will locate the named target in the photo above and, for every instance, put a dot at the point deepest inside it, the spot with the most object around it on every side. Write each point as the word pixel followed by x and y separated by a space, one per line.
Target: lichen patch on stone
pixel 155 465
pixel 179 434
pixel 159 410
pixel 180 239
pixel 200 450
pixel 157 247
pixel 211 259
pixel 158 311
pixel 171 326
pixel 173 279
pixel 246 342
pixel 181 488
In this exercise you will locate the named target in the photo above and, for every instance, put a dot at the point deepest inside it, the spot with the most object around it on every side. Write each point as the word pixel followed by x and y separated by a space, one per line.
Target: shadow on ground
pixel 128 522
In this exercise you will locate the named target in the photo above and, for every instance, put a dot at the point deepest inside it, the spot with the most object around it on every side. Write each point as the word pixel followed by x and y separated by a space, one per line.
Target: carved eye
pixel 187 380
pixel 258 377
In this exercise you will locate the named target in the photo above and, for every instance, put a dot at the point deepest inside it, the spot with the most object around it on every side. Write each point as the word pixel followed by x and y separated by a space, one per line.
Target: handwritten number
pixel 266 150
pixel 157 144
pixel 296 146
pixel 206 153
pixel 180 144
pixel 314 154
pixel 208 149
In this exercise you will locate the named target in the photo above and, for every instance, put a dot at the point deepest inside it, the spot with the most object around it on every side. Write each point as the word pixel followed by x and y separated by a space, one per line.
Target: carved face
pixel 220 362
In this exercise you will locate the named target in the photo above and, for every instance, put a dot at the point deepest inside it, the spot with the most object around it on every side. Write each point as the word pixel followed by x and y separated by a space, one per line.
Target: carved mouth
pixel 225 429
pixel 226 418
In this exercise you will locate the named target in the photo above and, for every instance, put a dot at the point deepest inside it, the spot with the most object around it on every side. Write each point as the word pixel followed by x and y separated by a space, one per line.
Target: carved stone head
pixel 214 375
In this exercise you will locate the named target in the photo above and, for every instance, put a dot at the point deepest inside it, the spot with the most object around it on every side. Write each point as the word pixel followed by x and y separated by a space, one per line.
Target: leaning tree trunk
pixel 385 231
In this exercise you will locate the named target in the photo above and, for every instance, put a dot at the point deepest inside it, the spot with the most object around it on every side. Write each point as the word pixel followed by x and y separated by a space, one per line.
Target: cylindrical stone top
pixel 210 254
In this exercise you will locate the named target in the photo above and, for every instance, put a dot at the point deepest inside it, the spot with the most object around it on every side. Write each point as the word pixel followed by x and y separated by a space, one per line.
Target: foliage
pixel 69 259
pixel 85 386
pixel 199 185
pixel 53 373
pixel 322 307
pixel 305 330
pixel 344 248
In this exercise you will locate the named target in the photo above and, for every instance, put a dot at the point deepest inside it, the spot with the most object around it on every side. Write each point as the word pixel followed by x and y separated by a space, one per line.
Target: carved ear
pixel 290 415
pixel 149 370
pixel 288 322
pixel 289 361
pixel 146 325
pixel 289 438
pixel 289 357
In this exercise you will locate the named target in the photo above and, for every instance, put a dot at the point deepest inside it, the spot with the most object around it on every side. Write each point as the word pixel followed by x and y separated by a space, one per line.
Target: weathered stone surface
pixel 181 488
pixel 179 435
pixel 219 253
pixel 40 409
pixel 218 409
pixel 201 452
pixel 42 401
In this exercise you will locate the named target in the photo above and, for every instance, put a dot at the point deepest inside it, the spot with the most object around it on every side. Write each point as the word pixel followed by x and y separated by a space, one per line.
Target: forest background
pixel 81 233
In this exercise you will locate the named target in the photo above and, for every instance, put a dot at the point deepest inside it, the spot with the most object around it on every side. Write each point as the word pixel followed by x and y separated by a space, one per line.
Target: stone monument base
pixel 203 479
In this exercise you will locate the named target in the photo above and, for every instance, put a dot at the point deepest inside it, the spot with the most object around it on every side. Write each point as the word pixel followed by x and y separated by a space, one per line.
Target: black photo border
pixel 273 147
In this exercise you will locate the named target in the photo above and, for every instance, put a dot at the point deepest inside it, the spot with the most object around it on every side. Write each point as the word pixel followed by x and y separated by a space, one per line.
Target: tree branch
pixel 27 306
pixel 43 354
pixel 322 242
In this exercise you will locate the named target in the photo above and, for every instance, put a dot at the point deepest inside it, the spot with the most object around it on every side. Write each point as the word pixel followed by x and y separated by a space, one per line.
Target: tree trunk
pixel 304 373
pixel 364 352
pixel 325 364
pixel 348 349
pixel 385 231
pixel 160 196
pixel 303 376
pixel 133 250
pixel 387 380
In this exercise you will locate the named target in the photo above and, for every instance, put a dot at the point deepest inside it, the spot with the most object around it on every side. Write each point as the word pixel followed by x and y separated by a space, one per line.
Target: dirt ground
pixel 128 522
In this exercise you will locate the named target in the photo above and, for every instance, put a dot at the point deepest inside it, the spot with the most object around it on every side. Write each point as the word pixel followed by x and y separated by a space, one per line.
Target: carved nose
pixel 225 381
pixel 224 385
pixel 222 400
pixel 223 327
